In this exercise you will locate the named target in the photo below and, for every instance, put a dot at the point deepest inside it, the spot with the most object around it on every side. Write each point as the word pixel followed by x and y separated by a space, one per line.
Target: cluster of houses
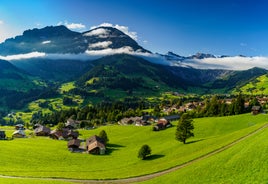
pixel 93 145
pixel 159 124
pixel 263 101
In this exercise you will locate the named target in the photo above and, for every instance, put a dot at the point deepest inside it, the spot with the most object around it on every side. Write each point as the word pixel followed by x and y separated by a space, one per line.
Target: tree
pixel 144 151
pixel 104 136
pixel 60 126
pixel 184 128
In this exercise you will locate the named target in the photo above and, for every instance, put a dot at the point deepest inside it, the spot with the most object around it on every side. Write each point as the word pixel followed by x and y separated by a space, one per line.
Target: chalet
pixel 73 144
pixel 256 110
pixel 130 121
pixel 2 134
pixel 162 124
pixel 18 134
pixel 72 124
pixel 95 145
pixel 42 131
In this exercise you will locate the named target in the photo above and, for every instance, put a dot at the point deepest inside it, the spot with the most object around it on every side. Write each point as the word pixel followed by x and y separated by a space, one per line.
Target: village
pixel 97 145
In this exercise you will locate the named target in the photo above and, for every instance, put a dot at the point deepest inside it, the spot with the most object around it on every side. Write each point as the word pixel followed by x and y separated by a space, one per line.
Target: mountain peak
pixel 200 55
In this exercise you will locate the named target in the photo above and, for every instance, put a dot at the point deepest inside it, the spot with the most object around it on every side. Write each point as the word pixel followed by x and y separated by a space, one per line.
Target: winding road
pixel 149 176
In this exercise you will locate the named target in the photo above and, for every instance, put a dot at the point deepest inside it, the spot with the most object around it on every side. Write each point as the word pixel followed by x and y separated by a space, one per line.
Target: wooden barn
pixel 18 134
pixel 42 131
pixel 95 145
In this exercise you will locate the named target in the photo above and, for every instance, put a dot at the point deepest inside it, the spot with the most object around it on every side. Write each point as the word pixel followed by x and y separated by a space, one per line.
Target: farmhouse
pixel 2 134
pixel 63 134
pixel 256 110
pixel 162 124
pixel 42 131
pixel 18 134
pixel 95 145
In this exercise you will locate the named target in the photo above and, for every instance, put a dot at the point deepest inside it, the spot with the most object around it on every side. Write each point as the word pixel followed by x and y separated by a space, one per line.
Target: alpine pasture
pixel 42 157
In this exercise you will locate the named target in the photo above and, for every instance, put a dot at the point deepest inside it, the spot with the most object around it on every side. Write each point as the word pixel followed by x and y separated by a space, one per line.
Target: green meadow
pixel 257 87
pixel 44 157
pixel 246 162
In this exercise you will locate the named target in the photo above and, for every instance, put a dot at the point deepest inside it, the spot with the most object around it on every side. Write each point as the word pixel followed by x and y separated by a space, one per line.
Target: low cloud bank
pixel 227 63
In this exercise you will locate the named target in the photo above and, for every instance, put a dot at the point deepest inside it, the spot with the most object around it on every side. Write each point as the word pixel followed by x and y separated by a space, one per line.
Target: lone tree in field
pixel 104 136
pixel 184 128
pixel 144 151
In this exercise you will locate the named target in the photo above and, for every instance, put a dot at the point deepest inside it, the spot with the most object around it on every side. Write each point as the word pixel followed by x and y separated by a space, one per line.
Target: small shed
pixel 256 110
pixel 42 131
pixel 73 144
pixel 95 145
pixel 18 134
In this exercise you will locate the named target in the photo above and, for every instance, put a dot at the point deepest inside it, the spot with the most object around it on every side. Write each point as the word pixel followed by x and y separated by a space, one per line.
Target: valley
pixel 102 79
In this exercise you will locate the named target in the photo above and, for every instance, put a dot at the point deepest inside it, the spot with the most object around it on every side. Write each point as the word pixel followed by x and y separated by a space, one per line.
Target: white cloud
pixel 229 63
pixel 23 56
pixel 1 22
pixel 73 26
pixel 46 42
pixel 103 33
pixel 104 44
pixel 124 29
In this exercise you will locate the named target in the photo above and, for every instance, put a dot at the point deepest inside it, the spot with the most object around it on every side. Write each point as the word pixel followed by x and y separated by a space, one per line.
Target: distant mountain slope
pixel 17 87
pixel 54 70
pixel 12 78
pixel 237 79
pixel 257 86
pixel 126 72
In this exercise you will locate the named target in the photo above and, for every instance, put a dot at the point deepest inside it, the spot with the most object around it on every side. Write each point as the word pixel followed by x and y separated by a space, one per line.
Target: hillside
pixel 257 86
pixel 17 87
pixel 210 134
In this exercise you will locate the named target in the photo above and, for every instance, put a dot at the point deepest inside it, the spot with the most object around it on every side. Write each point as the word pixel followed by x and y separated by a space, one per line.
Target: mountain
pixel 50 39
pixel 106 63
pixel 61 40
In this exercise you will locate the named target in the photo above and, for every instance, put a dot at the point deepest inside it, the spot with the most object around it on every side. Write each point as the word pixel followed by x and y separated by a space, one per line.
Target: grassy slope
pixel 246 162
pixel 259 86
pixel 49 158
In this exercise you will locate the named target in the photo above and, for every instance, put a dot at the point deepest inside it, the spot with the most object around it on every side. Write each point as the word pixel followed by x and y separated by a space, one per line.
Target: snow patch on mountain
pixel 104 44
pixel 100 32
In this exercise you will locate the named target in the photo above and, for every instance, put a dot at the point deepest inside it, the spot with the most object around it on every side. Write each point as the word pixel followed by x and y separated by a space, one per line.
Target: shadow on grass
pixel 115 145
pixel 153 157
pixel 191 142
pixel 112 147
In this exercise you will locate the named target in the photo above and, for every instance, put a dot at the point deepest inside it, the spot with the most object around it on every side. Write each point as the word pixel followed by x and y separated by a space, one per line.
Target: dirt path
pixel 149 176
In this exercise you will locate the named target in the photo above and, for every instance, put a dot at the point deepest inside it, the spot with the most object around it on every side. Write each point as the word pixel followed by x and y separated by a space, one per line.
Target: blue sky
pixel 221 27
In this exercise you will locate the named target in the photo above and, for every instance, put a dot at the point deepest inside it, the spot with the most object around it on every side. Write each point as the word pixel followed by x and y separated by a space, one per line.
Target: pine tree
pixel 104 136
pixel 184 128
